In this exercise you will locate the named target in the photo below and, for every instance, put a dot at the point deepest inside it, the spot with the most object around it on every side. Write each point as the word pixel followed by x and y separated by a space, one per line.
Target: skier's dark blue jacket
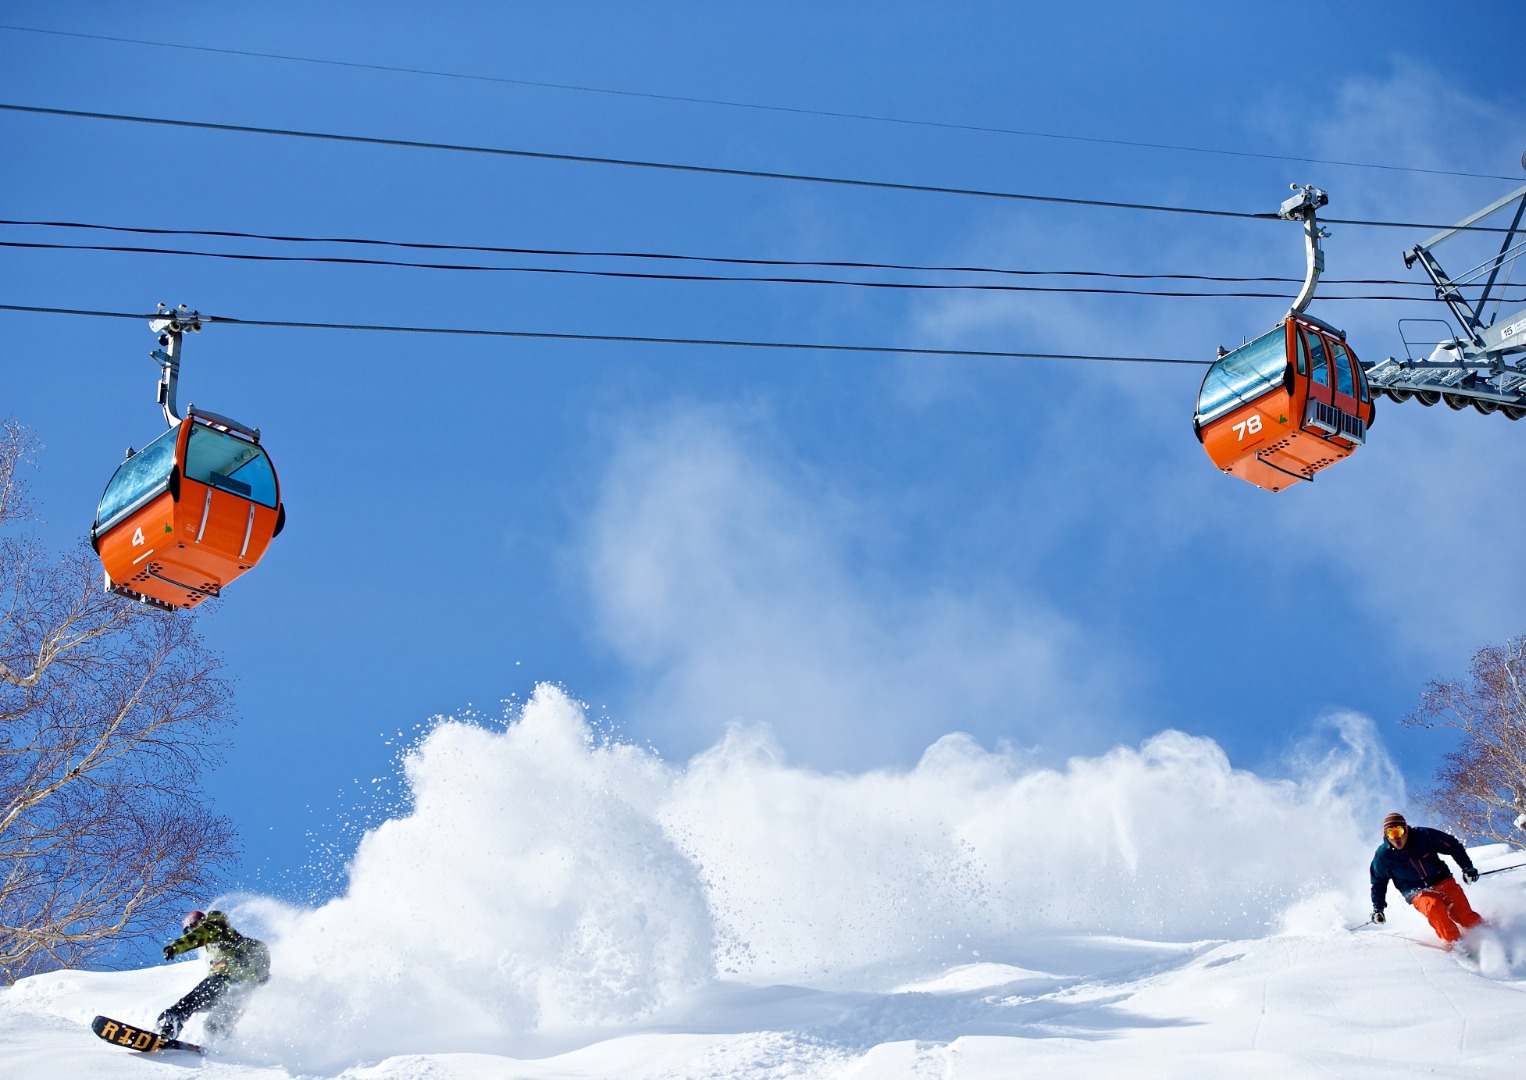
pixel 1416 866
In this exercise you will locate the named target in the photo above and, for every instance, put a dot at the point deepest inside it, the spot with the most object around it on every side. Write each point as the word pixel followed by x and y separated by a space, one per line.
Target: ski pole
pixel 1359 925
pixel 1501 869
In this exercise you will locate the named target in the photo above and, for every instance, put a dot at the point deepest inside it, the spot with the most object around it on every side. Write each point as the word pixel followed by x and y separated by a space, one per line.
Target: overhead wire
pixel 733 343
pixel 148 230
pixel 346 260
pixel 752 105
pixel 594 159
pixel 708 170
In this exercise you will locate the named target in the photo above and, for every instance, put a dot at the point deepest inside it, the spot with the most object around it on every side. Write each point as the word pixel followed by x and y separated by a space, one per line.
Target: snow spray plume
pixel 1500 944
pixel 544 882
pixel 529 888
pixel 811 876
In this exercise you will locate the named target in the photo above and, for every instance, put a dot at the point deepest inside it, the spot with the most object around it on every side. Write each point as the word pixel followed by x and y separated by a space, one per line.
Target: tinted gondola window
pixel 1243 375
pixel 1342 365
pixel 230 464
pixel 1321 373
pixel 145 473
pixel 1348 373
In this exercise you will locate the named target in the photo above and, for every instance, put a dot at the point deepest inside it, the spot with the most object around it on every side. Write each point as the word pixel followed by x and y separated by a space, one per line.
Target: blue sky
pixel 863 552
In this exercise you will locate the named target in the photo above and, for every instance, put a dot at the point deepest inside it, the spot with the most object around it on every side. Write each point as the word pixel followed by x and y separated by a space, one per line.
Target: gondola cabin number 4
pixel 187 514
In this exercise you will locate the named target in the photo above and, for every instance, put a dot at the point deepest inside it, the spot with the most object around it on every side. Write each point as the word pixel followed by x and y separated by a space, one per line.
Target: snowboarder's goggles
pixel 1394 832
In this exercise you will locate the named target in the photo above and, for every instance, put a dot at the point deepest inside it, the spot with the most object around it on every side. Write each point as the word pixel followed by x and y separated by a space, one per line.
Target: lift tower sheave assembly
pixel 1484 365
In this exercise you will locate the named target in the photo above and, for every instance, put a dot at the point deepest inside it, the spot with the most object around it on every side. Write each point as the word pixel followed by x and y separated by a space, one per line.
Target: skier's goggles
pixel 1395 832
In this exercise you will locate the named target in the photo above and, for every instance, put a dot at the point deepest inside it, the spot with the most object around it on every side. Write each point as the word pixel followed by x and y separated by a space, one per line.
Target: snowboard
pixel 136 1038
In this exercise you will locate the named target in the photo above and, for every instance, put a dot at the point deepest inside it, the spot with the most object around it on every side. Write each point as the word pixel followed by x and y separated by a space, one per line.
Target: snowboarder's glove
pixel 1378 916
pixel 169 952
pixel 1470 875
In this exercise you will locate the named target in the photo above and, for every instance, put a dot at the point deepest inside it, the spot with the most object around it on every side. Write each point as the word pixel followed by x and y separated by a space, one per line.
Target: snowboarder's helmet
pixel 192 920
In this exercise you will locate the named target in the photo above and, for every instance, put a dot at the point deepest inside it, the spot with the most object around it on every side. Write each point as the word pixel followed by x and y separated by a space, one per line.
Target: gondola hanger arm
pixel 171 326
pixel 1302 207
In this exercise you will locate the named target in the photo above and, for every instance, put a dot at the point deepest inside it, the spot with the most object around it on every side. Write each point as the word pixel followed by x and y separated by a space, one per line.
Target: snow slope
pixel 1364 1004
pixel 554 906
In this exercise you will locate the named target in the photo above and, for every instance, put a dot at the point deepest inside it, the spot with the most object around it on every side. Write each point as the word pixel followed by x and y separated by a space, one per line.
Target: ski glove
pixel 169 952
pixel 1378 916
pixel 1470 875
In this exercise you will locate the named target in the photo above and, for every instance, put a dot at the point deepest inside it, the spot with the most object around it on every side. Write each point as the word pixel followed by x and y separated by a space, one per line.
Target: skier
pixel 1410 857
pixel 238 964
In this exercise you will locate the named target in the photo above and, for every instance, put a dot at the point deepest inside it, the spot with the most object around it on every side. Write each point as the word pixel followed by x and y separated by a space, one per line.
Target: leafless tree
pixel 109 713
pixel 1481 786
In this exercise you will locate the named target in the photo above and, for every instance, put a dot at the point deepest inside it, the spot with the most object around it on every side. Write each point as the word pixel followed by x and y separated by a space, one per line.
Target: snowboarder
pixel 238 964
pixel 1410 857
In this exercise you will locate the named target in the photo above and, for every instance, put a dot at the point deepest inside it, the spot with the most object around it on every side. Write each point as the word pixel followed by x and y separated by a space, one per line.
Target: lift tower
pixel 1484 364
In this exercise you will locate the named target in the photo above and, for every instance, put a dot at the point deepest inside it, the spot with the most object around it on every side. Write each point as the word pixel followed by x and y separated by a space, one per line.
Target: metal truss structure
pixel 1481 361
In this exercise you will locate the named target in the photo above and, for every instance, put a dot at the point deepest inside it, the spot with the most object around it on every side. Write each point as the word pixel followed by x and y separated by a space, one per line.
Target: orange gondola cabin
pixel 189 513
pixel 1282 407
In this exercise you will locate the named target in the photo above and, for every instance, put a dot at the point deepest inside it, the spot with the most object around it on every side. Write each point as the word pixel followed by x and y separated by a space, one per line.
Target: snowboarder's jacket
pixel 240 958
pixel 1416 866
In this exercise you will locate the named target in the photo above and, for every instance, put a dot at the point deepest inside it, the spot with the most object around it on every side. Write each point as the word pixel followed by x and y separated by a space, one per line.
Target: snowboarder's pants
pixel 1446 909
pixel 217 995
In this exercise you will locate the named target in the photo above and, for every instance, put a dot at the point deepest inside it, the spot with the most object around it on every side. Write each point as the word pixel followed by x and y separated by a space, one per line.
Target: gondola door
pixel 1320 389
pixel 1350 387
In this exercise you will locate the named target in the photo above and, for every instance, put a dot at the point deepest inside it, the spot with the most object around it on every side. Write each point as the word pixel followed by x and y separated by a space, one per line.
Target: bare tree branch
pixel 1481 786
pixel 109 713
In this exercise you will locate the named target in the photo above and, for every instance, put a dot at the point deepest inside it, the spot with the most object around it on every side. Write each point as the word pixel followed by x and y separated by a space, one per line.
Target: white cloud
pixel 741 588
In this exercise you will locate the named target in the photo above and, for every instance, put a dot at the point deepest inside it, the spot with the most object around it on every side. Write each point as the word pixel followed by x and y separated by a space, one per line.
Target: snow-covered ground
pixel 1371 1003
pixel 553 906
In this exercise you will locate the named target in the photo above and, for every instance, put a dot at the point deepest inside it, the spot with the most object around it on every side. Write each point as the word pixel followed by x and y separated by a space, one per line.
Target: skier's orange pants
pixel 1446 908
